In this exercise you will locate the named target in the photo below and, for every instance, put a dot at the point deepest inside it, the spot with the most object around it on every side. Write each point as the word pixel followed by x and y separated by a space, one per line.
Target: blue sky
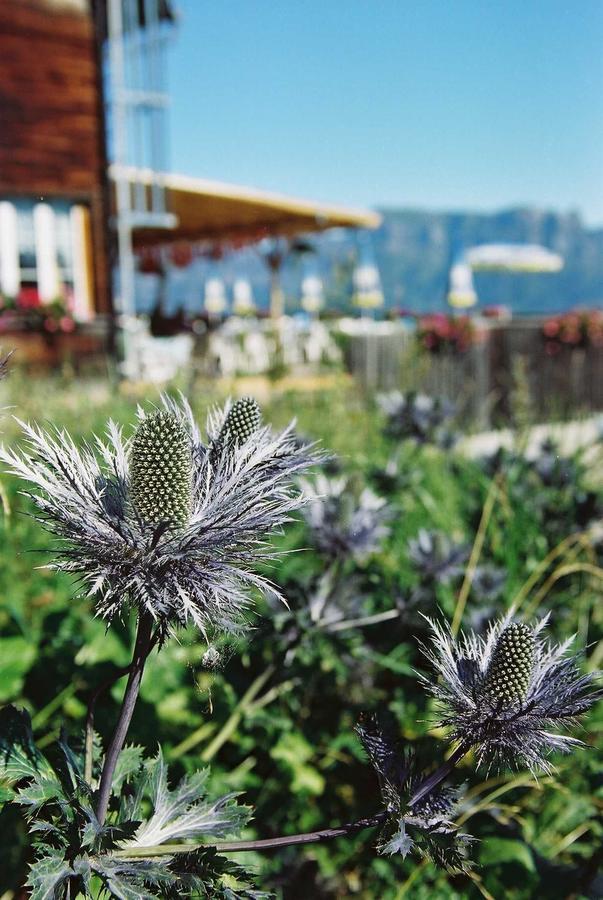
pixel 465 104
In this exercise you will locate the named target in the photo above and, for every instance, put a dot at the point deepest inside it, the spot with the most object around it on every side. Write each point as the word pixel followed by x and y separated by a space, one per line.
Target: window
pixel 45 253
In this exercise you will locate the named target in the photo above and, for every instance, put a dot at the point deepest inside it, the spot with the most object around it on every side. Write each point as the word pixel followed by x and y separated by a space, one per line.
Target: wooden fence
pixel 507 367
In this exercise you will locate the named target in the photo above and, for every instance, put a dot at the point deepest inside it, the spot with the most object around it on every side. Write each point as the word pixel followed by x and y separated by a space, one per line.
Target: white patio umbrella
pixel 243 302
pixel 215 296
pixel 312 294
pixel 461 293
pixel 513 258
pixel 367 287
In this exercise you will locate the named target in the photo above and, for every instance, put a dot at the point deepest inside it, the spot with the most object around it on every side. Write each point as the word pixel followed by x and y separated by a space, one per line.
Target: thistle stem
pixel 142 648
pixel 308 837
pixel 432 781
pixel 89 745
pixel 109 682
pixel 314 837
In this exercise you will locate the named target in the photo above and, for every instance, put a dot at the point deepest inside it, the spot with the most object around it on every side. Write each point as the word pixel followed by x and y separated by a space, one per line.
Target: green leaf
pixel 183 812
pixel 20 760
pixel 39 792
pixel 128 764
pixel 130 879
pixel 446 847
pixel 47 875
pixel 497 851
pixel 16 658
pixel 205 873
pixel 294 751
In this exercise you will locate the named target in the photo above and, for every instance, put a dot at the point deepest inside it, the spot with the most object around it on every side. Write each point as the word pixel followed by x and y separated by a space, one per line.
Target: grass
pixel 281 731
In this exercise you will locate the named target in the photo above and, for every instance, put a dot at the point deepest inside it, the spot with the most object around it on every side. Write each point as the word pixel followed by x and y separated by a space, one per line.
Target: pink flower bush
pixel 578 328
pixel 440 333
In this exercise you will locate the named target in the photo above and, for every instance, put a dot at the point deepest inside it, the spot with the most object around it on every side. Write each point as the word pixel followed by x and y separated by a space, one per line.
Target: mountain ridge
pixel 413 249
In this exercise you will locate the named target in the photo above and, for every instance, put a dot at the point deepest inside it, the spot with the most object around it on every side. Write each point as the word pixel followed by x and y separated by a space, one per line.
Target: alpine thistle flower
pixel 241 421
pixel 424 826
pixel 435 557
pixel 418 417
pixel 343 522
pixel 508 675
pixel 502 693
pixel 161 470
pixel 165 521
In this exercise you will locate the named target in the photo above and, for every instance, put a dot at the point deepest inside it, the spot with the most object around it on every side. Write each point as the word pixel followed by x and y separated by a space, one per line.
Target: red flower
pixel 551 328
pixel 28 298
pixel 67 324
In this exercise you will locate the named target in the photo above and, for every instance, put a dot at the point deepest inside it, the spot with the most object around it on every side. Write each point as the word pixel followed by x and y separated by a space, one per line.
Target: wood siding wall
pixel 51 119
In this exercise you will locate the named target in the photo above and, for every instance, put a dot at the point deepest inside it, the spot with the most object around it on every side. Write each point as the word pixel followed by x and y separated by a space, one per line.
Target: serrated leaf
pixel 39 792
pixel 20 760
pixel 392 763
pixel 400 842
pixel 128 765
pixel 132 879
pixel 19 757
pixel 183 812
pixel 47 875
pixel 444 846
pixel 205 873
pixel 81 867
pixel 105 837
pixel 48 829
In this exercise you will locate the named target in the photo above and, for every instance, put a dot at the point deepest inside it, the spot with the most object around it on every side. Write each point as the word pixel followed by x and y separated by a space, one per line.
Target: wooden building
pixel 53 168
pixel 67 219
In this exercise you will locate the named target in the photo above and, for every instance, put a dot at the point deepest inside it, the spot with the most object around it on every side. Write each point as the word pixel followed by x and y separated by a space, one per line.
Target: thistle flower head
pixel 164 520
pixel 417 417
pixel 509 673
pixel 425 826
pixel 344 522
pixel 436 557
pixel 161 470
pixel 502 693
pixel 488 583
pixel 242 420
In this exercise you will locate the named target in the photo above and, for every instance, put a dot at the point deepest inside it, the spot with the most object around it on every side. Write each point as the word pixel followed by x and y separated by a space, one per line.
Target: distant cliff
pixel 413 250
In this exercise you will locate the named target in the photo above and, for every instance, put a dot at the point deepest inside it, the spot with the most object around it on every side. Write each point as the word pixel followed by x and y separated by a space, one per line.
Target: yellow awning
pixel 214 211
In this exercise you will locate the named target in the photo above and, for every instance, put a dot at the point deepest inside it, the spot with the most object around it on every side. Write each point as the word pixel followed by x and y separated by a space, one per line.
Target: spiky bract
pixel 108 504
pixel 425 826
pixel 344 522
pixel 502 693
pixel 418 417
pixel 161 470
pixel 435 557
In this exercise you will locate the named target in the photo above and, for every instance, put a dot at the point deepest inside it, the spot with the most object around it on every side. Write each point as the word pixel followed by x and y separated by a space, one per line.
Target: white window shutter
pixel 10 277
pixel 49 286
